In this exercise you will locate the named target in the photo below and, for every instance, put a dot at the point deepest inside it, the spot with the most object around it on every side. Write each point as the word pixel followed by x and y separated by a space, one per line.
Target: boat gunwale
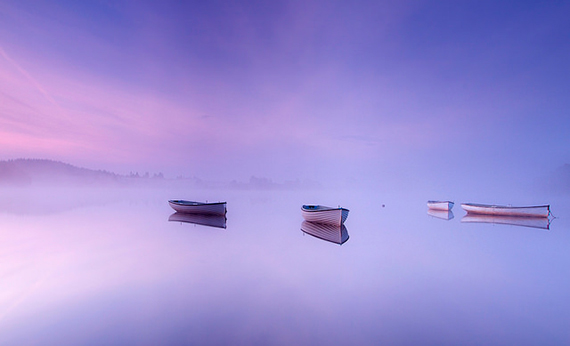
pixel 322 208
pixel 505 206
pixel 192 203
pixel 435 202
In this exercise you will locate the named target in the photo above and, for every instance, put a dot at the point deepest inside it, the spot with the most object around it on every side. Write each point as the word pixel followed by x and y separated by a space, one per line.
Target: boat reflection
pixel 332 233
pixel 218 221
pixel 441 214
pixel 533 222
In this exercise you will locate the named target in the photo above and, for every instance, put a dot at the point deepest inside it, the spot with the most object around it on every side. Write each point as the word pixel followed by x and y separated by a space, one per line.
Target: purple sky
pixel 287 90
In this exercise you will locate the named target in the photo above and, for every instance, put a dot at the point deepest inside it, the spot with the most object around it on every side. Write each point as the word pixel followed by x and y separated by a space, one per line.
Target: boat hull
pixel 325 215
pixel 531 211
pixel 191 207
pixel 440 205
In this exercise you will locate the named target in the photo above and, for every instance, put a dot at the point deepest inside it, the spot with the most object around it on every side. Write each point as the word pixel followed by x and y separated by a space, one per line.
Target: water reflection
pixel 533 222
pixel 441 214
pixel 126 272
pixel 218 221
pixel 332 233
pixel 46 201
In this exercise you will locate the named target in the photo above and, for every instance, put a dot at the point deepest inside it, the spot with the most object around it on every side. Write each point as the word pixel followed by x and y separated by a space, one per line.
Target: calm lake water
pixel 107 267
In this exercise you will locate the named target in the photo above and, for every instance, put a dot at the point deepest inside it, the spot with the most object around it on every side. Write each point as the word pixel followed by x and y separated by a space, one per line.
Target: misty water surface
pixel 105 266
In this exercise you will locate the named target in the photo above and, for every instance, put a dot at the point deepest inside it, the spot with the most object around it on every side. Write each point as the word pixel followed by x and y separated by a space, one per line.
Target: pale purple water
pixel 108 268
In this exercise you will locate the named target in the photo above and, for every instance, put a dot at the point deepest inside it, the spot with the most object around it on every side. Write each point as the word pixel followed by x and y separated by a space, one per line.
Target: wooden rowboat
pixel 440 205
pixel 181 206
pixel 326 215
pixel 332 233
pixel 530 211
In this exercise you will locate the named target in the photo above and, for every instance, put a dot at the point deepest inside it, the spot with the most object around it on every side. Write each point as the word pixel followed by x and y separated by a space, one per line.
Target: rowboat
pixel 530 211
pixel 181 206
pixel 218 221
pixel 332 233
pixel 440 205
pixel 322 214
pixel 529 221
pixel 441 214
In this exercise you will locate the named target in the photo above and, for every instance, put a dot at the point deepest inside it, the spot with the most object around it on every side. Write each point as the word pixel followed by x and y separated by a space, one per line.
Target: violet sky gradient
pixel 287 89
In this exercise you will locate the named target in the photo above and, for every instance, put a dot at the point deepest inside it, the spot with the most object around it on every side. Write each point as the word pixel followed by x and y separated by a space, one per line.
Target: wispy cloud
pixel 186 84
pixel 32 80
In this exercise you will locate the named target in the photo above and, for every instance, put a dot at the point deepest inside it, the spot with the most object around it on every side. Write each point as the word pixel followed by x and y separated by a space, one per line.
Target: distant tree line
pixel 21 172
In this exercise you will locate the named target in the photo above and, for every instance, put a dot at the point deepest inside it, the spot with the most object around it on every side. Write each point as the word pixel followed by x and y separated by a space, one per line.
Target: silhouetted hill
pixel 23 172
pixel 42 172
